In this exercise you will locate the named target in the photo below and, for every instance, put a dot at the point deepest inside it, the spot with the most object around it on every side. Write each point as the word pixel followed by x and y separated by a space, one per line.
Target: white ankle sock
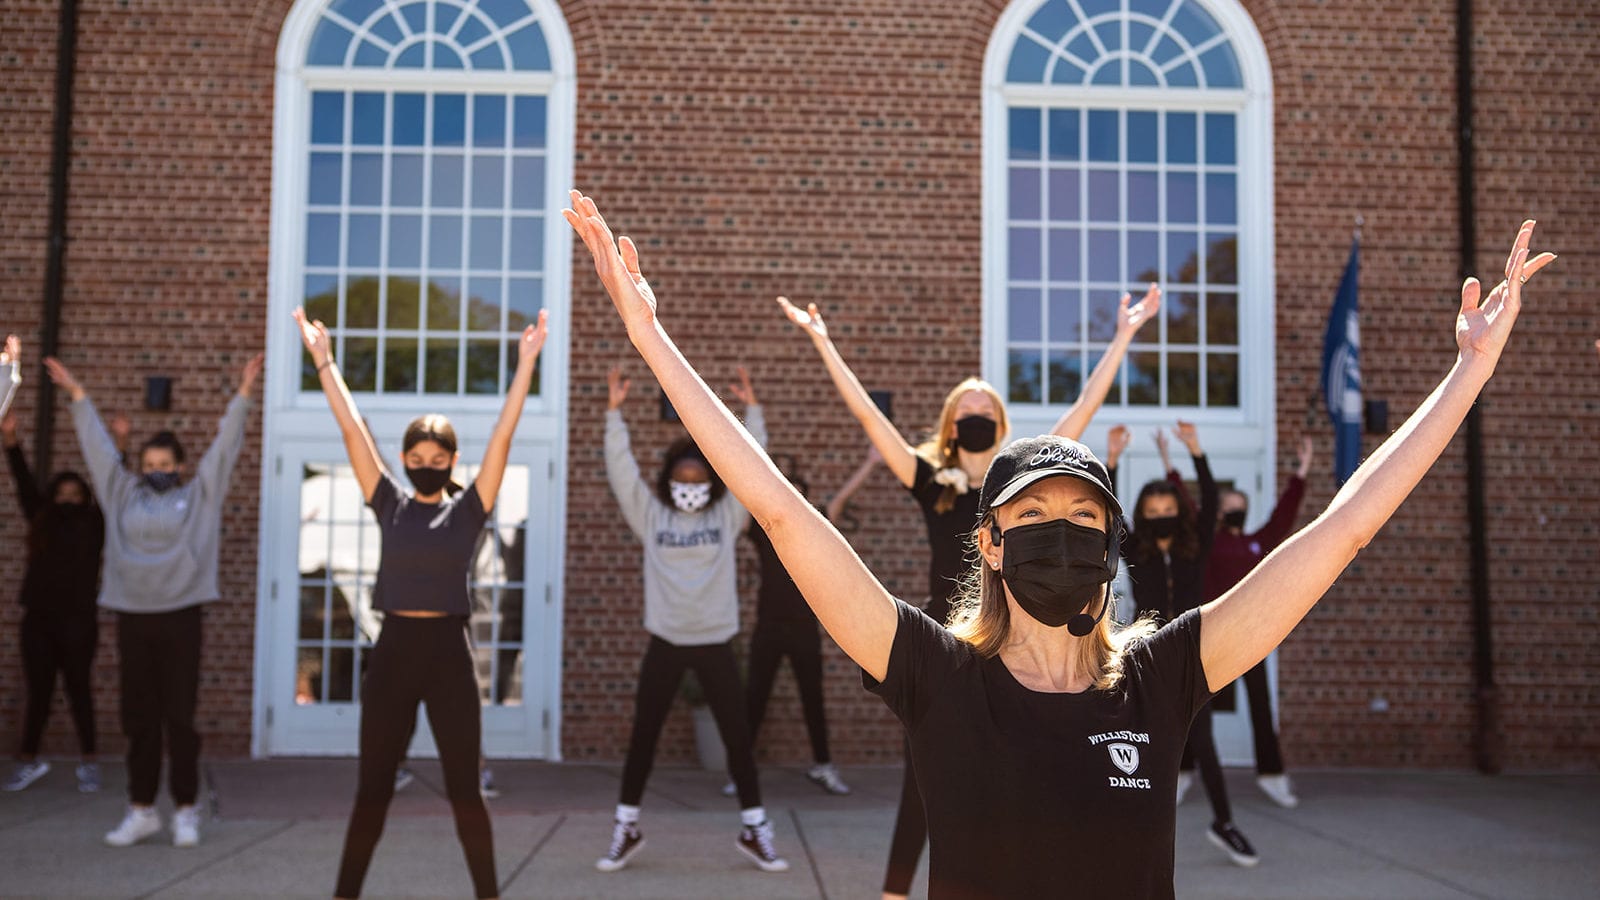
pixel 753 816
pixel 627 815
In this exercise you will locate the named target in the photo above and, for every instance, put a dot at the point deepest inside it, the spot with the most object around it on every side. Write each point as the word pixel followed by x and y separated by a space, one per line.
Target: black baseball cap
pixel 1037 458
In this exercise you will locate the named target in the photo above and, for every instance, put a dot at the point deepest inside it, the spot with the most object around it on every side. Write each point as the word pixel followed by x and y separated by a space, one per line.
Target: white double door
pixel 318 561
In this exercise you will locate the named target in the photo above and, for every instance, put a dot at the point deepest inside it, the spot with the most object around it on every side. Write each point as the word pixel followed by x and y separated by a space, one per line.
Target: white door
pixel 320 563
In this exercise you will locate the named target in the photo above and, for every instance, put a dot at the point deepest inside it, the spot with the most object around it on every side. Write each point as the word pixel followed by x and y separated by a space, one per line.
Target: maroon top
pixel 1234 555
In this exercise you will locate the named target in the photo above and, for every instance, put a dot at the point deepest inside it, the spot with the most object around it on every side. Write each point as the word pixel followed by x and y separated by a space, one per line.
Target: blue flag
pixel 1341 370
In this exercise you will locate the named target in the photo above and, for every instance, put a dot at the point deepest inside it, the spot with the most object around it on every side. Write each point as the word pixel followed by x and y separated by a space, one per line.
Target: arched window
pixel 426 159
pixel 419 147
pixel 1126 142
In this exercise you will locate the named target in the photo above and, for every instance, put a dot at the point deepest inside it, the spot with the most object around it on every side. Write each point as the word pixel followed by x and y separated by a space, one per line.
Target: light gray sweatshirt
pixel 10 379
pixel 691 594
pixel 161 548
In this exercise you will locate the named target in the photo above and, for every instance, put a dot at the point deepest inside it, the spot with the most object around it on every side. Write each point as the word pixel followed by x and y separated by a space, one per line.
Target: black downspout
pixel 55 260
pixel 1486 731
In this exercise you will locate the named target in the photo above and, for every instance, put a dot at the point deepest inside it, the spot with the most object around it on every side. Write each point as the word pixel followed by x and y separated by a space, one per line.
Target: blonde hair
pixel 940 447
pixel 981 617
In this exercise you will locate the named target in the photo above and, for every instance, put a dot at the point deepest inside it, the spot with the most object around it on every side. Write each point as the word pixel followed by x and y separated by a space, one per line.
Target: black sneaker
pixel 625 842
pixel 1230 841
pixel 755 841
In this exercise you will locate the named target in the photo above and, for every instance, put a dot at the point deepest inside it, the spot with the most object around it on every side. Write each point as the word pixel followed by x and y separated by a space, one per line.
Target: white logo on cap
pixel 1059 453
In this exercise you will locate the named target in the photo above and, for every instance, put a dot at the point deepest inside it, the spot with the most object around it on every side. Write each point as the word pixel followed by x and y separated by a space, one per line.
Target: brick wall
pixel 832 152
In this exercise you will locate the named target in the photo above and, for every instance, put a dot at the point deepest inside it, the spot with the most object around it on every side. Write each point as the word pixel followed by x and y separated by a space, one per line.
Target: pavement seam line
pixel 179 879
pixel 1367 851
pixel 805 846
pixel 526 860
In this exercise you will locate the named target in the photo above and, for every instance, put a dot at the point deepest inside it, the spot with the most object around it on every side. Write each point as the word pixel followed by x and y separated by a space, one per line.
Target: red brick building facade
pixel 835 152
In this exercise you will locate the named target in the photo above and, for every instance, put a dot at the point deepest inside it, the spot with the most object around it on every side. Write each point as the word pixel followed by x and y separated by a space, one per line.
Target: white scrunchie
pixel 953 477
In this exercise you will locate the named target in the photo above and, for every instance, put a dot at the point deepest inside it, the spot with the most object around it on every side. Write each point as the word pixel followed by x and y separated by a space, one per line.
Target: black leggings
pixel 54 644
pixel 1202 748
pixel 427 661
pixel 1269 756
pixel 911 821
pixel 160 667
pixel 910 833
pixel 800 642
pixel 659 675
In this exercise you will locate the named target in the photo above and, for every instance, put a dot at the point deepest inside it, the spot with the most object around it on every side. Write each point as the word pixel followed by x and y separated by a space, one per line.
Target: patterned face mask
pixel 690 496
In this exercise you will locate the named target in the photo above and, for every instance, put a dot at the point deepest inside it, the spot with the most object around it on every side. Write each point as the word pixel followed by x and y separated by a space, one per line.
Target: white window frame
pixel 300 416
pixel 1252 104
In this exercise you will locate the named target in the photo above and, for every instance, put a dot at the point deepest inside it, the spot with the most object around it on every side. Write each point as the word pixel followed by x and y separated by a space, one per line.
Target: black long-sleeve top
pixel 63 572
pixel 1172 583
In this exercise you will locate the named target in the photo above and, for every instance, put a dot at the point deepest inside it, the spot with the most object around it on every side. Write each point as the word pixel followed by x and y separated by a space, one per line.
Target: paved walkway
pixel 277 826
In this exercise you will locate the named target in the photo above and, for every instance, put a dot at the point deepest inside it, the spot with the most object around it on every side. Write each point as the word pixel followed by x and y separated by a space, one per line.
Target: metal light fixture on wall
pixel 158 393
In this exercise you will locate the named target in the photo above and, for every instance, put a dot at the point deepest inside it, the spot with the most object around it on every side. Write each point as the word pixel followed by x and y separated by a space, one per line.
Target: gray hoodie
pixel 691 594
pixel 161 548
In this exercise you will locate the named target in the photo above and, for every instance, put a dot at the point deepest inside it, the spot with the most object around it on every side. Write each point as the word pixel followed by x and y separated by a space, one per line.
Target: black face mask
pixel 1056 569
pixel 161 482
pixel 1164 527
pixel 1233 518
pixel 427 480
pixel 976 434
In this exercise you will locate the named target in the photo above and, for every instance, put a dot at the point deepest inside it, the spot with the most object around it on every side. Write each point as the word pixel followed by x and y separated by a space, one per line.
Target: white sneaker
pixel 186 827
pixel 26 773
pixel 88 778
pixel 1277 787
pixel 486 785
pixel 729 789
pixel 1185 781
pixel 403 779
pixel 138 824
pixel 825 776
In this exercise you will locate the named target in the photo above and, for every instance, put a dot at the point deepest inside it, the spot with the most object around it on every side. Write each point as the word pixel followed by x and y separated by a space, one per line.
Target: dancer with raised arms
pixel 1050 753
pixel 945 476
pixel 429 538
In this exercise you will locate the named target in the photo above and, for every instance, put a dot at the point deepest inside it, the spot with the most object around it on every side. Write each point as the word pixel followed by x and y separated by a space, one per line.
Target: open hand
pixel 616 260
pixel 121 429
pixel 1117 441
pixel 252 371
pixel 63 379
pixel 533 337
pixel 1305 457
pixel 616 387
pixel 808 319
pixel 12 352
pixel 1190 436
pixel 1482 329
pixel 742 388
pixel 1131 318
pixel 315 336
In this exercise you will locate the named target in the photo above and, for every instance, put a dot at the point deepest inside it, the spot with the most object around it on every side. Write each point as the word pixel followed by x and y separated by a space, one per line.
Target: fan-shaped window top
pixel 470 35
pixel 1124 43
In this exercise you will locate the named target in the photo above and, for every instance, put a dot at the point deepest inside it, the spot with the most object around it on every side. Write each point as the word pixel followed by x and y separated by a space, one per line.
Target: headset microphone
pixel 1081 624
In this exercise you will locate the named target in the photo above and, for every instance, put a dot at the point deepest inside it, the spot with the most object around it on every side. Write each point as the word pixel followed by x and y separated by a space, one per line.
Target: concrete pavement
pixel 276 828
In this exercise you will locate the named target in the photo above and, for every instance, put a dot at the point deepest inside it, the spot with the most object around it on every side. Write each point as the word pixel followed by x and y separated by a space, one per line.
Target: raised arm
pixel 622 470
pixel 493 468
pixel 358 442
pixel 28 494
pixel 216 464
pixel 850 603
pixel 1210 499
pixel 1242 626
pixel 841 498
pixel 898 455
pixel 10 372
pixel 99 451
pixel 1073 422
pixel 1283 515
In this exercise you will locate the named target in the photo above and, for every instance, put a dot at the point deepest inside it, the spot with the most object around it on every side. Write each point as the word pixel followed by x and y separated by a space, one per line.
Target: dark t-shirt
pixel 779 600
pixel 427 549
pixel 1032 794
pixel 947 537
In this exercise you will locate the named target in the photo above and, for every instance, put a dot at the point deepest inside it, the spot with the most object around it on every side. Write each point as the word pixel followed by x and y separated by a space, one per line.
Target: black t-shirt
pixel 427 549
pixel 1032 794
pixel 947 537
pixel 778 601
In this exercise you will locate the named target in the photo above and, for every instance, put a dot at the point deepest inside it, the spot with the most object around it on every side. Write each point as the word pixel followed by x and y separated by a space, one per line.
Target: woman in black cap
pixel 1048 756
